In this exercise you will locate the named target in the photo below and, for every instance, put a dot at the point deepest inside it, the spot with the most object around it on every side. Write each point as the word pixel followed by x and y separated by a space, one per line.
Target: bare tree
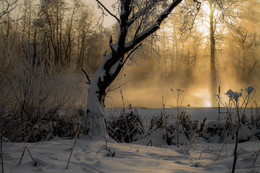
pixel 145 17
pixel 219 11
pixel 244 38
pixel 52 14
pixel 212 28
pixel 215 15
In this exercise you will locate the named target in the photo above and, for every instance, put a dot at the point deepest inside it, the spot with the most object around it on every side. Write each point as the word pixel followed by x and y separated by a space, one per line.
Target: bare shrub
pixel 186 128
pixel 127 127
pixel 33 97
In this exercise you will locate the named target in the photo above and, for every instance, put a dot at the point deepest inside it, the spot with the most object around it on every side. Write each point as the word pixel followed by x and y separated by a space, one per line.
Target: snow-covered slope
pixel 91 157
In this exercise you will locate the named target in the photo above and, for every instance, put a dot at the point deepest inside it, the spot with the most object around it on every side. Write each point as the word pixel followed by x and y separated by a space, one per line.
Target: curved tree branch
pixel 99 3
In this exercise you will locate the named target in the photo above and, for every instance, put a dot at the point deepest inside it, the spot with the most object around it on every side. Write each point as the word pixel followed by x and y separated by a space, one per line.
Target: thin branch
pixel 220 151
pixel 9 7
pixel 87 76
pixel 138 29
pixel 133 50
pixel 257 154
pixel 25 148
pixel 114 87
pixel 99 3
pixel 75 141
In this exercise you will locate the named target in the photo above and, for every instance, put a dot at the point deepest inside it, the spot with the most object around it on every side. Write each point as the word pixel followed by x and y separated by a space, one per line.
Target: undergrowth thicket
pixel 29 121
pixel 128 127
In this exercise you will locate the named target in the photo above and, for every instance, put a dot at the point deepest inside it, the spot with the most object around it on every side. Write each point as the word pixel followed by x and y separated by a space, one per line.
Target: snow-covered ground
pixel 52 156
pixel 90 156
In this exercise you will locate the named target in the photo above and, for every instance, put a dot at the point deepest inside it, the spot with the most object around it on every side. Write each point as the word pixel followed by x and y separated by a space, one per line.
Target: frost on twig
pixel 233 95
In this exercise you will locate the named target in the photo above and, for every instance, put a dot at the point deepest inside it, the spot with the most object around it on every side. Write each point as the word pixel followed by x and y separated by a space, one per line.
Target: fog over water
pixel 150 91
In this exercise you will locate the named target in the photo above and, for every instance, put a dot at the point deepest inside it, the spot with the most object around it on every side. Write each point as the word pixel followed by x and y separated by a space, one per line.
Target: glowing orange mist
pixel 204 96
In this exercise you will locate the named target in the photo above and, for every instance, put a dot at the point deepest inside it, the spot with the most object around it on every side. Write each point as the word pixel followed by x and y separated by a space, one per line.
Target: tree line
pixel 59 33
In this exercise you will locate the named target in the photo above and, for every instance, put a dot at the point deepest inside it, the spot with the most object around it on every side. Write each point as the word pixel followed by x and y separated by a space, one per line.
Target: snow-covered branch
pixel 155 26
pixel 132 51
pixel 124 14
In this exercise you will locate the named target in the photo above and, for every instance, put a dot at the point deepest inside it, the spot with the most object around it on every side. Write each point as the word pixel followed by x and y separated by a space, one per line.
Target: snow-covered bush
pixel 187 128
pixel 237 121
pixel 127 127
pixel 225 131
pixel 218 132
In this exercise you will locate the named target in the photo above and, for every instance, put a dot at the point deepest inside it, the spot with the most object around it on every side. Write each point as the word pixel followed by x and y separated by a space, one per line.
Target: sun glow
pixel 203 97
pixel 207 103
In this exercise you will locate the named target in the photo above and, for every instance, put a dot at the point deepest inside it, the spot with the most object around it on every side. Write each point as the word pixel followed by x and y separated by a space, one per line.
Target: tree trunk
pixel 95 112
pixel 212 54
pixel 103 77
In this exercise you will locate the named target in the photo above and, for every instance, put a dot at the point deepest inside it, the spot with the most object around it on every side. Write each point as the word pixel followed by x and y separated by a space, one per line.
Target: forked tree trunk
pixel 114 61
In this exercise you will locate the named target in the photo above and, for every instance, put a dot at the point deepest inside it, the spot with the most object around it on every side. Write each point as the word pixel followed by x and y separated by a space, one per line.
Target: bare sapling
pixel 179 99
